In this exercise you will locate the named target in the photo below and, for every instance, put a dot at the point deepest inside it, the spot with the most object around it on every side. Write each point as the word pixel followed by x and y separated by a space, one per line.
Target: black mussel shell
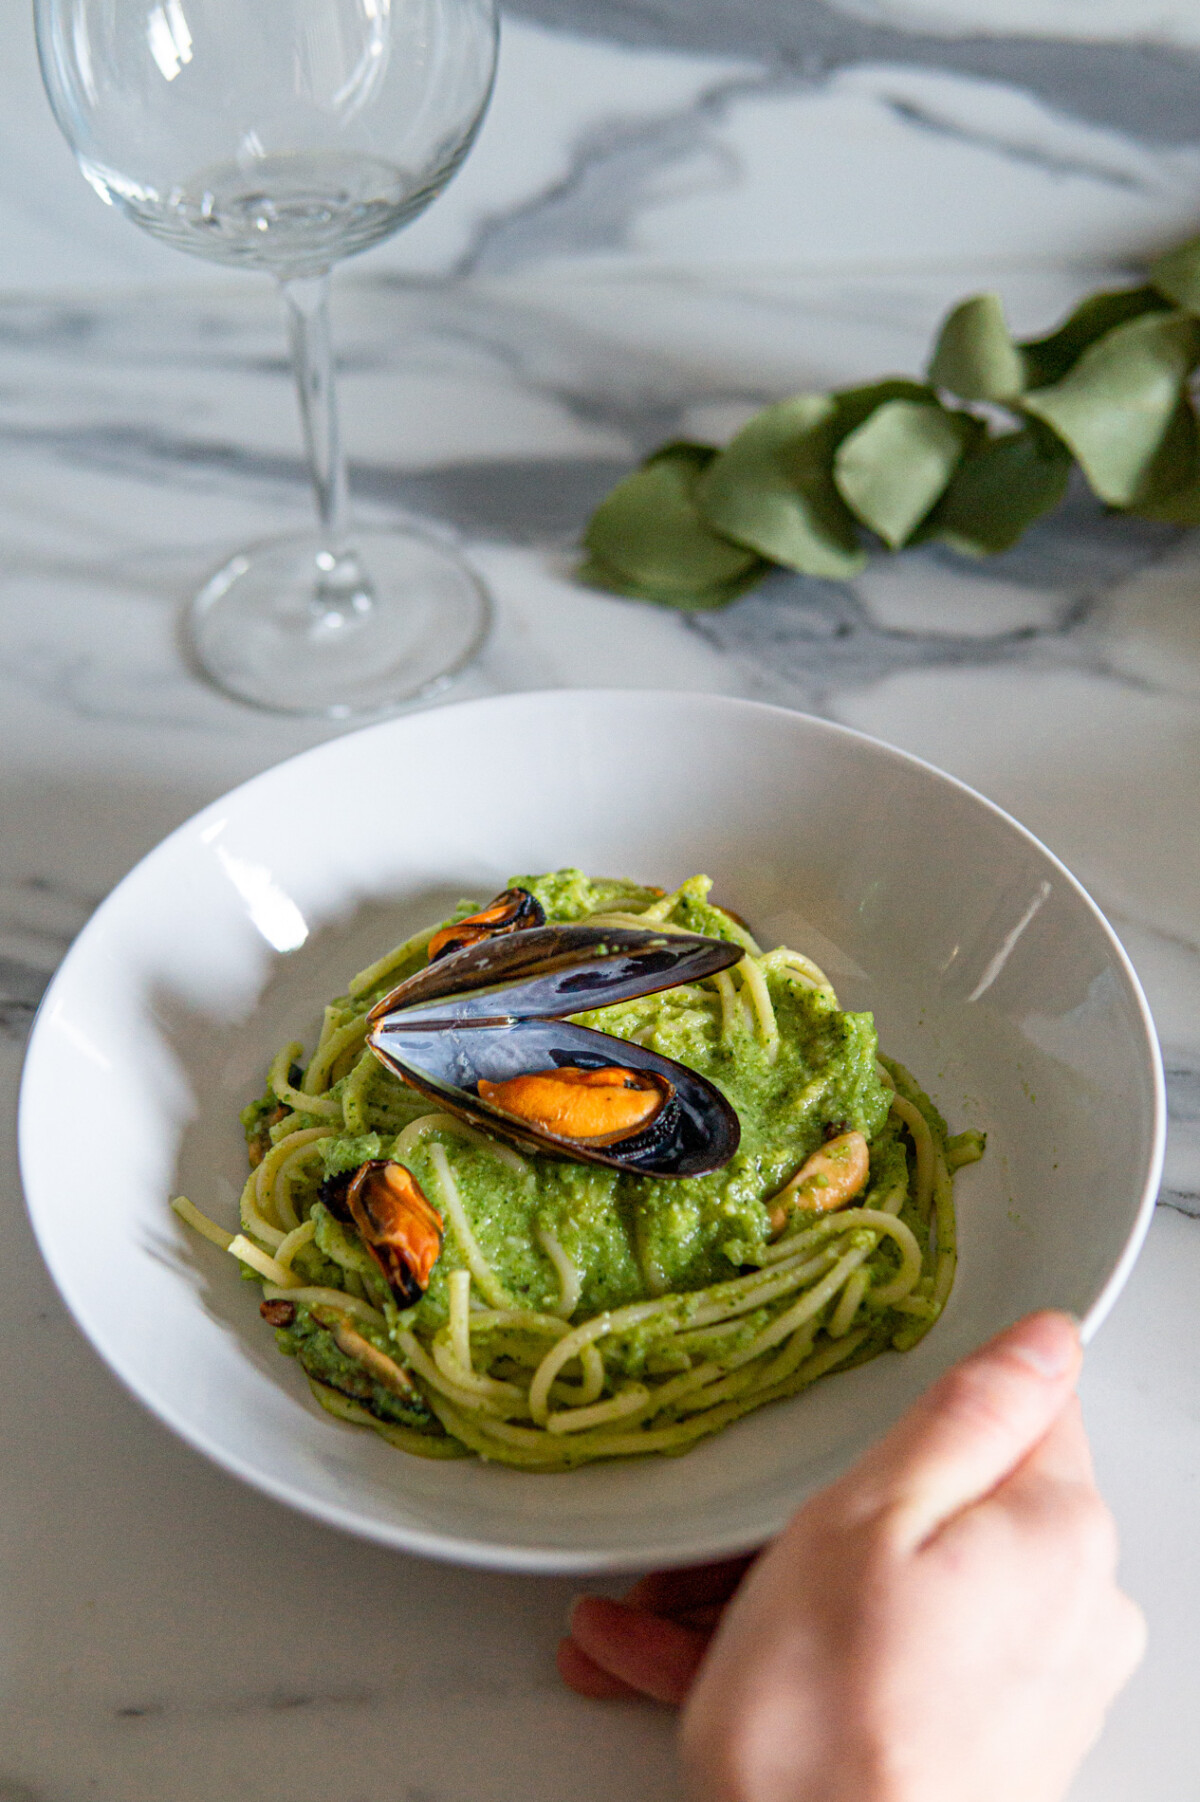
pixel 332 1195
pixel 548 971
pixel 695 1131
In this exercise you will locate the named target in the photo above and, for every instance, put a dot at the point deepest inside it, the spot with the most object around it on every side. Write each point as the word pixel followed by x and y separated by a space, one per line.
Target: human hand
pixel 942 1623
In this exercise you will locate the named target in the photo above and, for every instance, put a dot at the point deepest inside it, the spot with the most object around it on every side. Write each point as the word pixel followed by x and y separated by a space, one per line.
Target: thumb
pixel 970 1431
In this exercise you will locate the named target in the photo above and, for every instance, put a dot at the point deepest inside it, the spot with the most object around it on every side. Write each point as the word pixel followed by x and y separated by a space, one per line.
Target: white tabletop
pixel 165 1633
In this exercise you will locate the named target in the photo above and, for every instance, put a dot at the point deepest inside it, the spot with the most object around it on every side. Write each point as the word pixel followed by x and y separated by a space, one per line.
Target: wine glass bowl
pixel 281 136
pixel 275 134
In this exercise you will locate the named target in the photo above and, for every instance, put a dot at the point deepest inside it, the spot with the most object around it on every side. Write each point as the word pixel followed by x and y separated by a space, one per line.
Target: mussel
pixel 481 1030
pixel 511 911
pixel 397 1225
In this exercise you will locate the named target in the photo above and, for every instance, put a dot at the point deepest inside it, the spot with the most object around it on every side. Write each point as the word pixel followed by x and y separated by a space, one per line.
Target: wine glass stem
pixel 341 585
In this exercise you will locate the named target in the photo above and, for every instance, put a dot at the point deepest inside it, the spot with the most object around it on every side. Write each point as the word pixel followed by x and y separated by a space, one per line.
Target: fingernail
pixel 1047 1343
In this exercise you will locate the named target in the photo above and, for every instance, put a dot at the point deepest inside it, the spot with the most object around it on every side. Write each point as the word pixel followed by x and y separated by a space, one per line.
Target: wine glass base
pixel 265 630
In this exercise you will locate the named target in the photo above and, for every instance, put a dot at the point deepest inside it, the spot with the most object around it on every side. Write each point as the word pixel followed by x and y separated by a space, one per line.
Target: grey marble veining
pixel 809 637
pixel 1148 91
pixel 1183 1099
pixel 619 168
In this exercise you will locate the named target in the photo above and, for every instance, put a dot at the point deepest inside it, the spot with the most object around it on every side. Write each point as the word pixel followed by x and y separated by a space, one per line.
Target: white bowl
pixel 989 970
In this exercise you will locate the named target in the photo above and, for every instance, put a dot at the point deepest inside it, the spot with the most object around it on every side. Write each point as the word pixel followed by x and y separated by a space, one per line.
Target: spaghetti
pixel 576 1312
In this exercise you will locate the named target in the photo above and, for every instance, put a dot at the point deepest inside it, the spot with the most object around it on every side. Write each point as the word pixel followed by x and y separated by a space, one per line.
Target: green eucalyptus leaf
pixel 595 573
pixel 772 489
pixel 856 405
pixel 1179 509
pixel 1047 360
pixel 1177 275
pixel 1172 491
pixel 1114 409
pixel 1182 509
pixel 894 467
pixel 975 356
pixel 650 534
pixel 1175 465
pixel 1001 486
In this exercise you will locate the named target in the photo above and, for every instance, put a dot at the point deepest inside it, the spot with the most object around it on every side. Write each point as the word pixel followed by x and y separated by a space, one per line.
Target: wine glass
pixel 282 135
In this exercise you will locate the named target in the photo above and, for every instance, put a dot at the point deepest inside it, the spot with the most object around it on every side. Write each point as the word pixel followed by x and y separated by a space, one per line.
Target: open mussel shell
pixel 693 1131
pixel 548 971
pixel 494 1011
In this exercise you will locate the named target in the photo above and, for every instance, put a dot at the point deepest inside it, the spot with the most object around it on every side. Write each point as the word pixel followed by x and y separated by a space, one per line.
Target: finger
pixel 1052 1495
pixel 1129 1638
pixel 656 1656
pixel 1063 1455
pixel 1056 1475
pixel 675 1592
pixel 970 1431
pixel 1050 1501
pixel 586 1678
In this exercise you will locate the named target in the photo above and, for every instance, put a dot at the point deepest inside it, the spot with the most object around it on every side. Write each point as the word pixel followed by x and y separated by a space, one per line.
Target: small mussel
pixel 396 1224
pixel 512 910
pixel 483 1032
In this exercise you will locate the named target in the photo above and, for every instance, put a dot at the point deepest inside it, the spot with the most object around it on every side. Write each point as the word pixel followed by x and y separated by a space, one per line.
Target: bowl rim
pixel 449 1547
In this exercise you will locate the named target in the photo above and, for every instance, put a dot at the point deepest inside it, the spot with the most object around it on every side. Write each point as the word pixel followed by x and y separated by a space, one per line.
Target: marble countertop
pixel 165 1633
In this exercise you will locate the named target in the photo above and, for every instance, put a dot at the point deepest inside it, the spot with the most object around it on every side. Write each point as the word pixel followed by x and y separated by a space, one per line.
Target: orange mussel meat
pixel 595 1107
